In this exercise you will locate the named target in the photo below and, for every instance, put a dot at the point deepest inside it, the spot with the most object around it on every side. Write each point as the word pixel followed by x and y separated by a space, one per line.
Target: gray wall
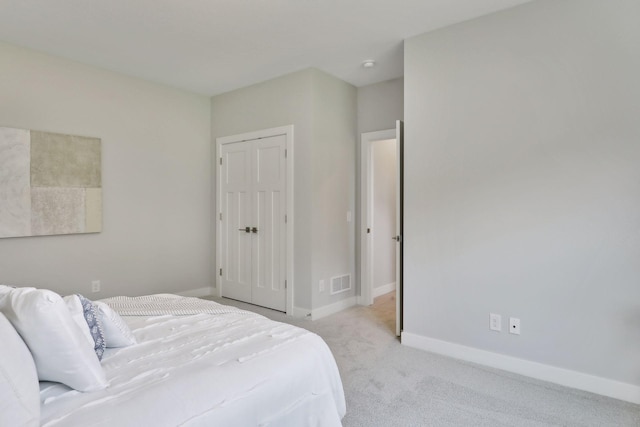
pixel 380 105
pixel 155 174
pixel 322 110
pixel 522 185
pixel 333 193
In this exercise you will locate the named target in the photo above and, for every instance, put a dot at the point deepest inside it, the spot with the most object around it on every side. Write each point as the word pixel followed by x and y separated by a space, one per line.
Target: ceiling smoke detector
pixel 369 63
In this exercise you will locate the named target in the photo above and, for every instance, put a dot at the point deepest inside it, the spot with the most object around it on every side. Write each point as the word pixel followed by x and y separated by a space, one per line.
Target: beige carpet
pixel 388 384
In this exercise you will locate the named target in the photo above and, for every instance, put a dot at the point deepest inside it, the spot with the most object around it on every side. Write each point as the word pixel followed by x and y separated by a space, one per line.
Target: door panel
pixel 269 242
pixel 269 161
pixel 236 244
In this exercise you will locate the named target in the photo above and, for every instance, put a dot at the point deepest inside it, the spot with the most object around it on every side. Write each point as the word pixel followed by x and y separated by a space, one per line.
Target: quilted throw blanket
pixel 166 304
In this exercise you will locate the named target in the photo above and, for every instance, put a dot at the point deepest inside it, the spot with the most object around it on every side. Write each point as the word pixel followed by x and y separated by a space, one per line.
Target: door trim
pixel 287 131
pixel 366 199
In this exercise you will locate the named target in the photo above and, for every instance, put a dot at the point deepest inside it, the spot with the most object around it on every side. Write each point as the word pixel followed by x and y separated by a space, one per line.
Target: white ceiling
pixel 213 46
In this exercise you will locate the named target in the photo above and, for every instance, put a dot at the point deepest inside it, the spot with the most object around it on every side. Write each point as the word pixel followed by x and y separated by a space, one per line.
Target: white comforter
pixel 234 369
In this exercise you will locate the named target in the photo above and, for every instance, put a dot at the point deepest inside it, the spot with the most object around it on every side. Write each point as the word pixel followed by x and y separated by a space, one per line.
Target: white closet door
pixel 236 187
pixel 253 186
pixel 268 213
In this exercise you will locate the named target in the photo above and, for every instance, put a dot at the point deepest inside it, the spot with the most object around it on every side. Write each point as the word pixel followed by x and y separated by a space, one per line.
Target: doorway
pixel 254 204
pixel 381 188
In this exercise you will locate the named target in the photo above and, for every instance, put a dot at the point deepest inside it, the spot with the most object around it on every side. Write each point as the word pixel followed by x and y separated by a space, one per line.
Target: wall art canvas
pixel 50 183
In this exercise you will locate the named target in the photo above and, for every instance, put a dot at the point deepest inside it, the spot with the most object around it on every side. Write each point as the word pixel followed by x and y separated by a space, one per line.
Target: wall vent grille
pixel 340 284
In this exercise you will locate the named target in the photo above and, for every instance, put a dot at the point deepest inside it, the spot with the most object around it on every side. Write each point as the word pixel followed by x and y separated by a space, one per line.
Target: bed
pixel 211 365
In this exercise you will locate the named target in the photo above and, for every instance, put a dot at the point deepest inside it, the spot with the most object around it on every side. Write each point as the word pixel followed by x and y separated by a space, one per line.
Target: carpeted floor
pixel 387 384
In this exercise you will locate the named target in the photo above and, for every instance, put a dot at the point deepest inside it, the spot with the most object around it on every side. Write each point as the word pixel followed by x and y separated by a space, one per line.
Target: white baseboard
pixel 301 312
pixel 384 289
pixel 361 300
pixel 200 292
pixel 565 377
pixel 330 309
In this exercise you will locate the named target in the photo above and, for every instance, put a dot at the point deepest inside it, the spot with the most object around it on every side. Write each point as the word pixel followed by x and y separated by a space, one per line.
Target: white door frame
pixel 287 131
pixel 366 210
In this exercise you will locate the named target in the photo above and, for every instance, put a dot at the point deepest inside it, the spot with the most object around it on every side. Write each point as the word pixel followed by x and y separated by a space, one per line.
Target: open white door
pixel 366 220
pixel 399 217
pixel 367 142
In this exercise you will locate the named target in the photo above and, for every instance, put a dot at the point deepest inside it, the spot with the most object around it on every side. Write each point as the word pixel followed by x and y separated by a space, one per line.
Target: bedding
pixel 77 314
pixel 159 304
pixel 90 314
pixel 84 315
pixel 116 331
pixel 234 368
pixel 19 403
pixel 57 343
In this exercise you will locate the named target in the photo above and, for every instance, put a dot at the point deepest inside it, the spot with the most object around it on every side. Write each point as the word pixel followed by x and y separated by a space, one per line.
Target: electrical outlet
pixel 95 286
pixel 514 325
pixel 322 285
pixel 495 322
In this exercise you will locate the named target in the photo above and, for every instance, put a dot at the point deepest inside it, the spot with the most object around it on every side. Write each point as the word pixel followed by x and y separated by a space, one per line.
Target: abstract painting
pixel 50 183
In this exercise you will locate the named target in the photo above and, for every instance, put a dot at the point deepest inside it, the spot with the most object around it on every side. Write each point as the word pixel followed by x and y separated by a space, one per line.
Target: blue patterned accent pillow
pixel 95 328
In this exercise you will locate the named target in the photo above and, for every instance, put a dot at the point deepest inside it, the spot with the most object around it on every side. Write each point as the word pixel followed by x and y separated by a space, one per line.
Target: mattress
pixel 231 369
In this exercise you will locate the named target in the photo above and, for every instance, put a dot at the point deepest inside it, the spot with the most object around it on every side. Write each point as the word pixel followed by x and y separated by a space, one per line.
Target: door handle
pixel 397 238
pixel 254 229
pixel 246 229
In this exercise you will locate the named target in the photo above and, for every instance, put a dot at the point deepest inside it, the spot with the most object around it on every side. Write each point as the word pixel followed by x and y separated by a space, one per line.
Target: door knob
pixel 246 229
pixel 254 229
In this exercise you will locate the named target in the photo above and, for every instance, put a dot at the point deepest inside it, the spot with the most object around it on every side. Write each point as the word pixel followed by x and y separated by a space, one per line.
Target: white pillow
pixel 85 314
pixel 59 348
pixel 77 314
pixel 116 331
pixel 4 289
pixel 19 391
